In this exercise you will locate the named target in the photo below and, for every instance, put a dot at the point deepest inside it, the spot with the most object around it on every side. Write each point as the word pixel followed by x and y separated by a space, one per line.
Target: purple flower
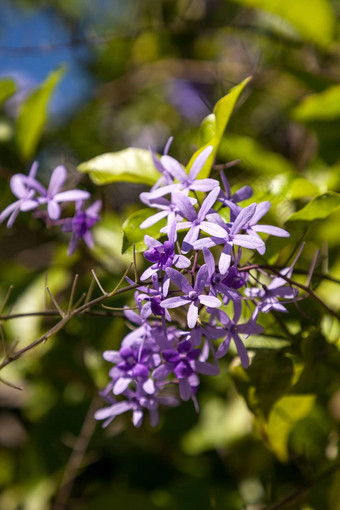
pixel 189 181
pixel 20 186
pixel 192 295
pixel 184 363
pixel 153 298
pixel 196 221
pixel 81 223
pixel 170 168
pixel 230 200
pixel 132 364
pixel 233 330
pixel 252 227
pixel 269 294
pixel 232 237
pixel 52 196
pixel 163 255
pixel 136 401
pixel 218 282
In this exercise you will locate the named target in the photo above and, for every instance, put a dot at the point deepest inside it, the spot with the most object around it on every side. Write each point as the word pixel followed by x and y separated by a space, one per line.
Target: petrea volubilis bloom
pixel 194 272
pixel 32 195
pixel 81 223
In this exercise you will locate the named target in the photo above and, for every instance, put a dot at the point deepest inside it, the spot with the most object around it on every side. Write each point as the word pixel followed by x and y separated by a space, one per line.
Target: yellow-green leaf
pixel 128 165
pixel 214 125
pixel 33 114
pixel 282 419
pixel 7 89
pixel 319 208
pixel 313 19
pixel 323 106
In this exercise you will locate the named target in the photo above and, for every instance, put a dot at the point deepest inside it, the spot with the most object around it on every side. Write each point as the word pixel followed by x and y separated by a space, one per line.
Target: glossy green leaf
pixel 214 125
pixel 7 89
pixel 323 106
pixel 313 19
pixel 128 165
pixel 33 115
pixel 319 208
pixel 134 235
pixel 283 417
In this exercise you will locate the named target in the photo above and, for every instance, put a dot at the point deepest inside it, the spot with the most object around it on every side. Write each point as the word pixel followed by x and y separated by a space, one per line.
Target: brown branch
pixel 77 311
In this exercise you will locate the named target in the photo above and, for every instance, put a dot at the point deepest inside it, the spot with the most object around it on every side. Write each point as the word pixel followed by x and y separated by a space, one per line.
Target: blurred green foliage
pixel 157 68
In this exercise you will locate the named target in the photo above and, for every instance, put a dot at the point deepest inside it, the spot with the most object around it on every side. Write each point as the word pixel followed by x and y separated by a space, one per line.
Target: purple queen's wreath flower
pixel 81 223
pixel 192 295
pixel 20 187
pixel 52 196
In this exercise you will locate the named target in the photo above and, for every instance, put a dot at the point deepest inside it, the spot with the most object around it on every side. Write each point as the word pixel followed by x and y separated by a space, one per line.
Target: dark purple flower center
pixel 234 279
pixel 192 295
pixel 156 306
pixel 140 370
pixel 81 223
pixel 162 255
pixel 183 369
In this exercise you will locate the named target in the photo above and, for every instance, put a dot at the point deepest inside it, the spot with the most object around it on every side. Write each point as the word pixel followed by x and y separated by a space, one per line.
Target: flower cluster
pixel 196 296
pixel 32 195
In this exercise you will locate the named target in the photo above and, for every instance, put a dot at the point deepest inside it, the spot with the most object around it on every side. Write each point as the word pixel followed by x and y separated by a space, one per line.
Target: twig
pixel 135 263
pixel 311 269
pixel 74 285
pixel 11 385
pixel 90 290
pixel 76 311
pixel 98 282
pixel 54 301
pixel 6 298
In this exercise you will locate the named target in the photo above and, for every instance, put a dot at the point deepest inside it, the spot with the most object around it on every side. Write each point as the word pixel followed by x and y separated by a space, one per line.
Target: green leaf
pixel 214 125
pixel 33 114
pixel 128 165
pixel 207 130
pixel 323 106
pixel 313 19
pixel 282 419
pixel 319 208
pixel 134 235
pixel 7 89
pixel 302 187
pixel 254 157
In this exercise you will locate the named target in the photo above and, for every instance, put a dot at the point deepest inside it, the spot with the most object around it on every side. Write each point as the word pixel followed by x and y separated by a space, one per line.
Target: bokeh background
pixel 82 78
